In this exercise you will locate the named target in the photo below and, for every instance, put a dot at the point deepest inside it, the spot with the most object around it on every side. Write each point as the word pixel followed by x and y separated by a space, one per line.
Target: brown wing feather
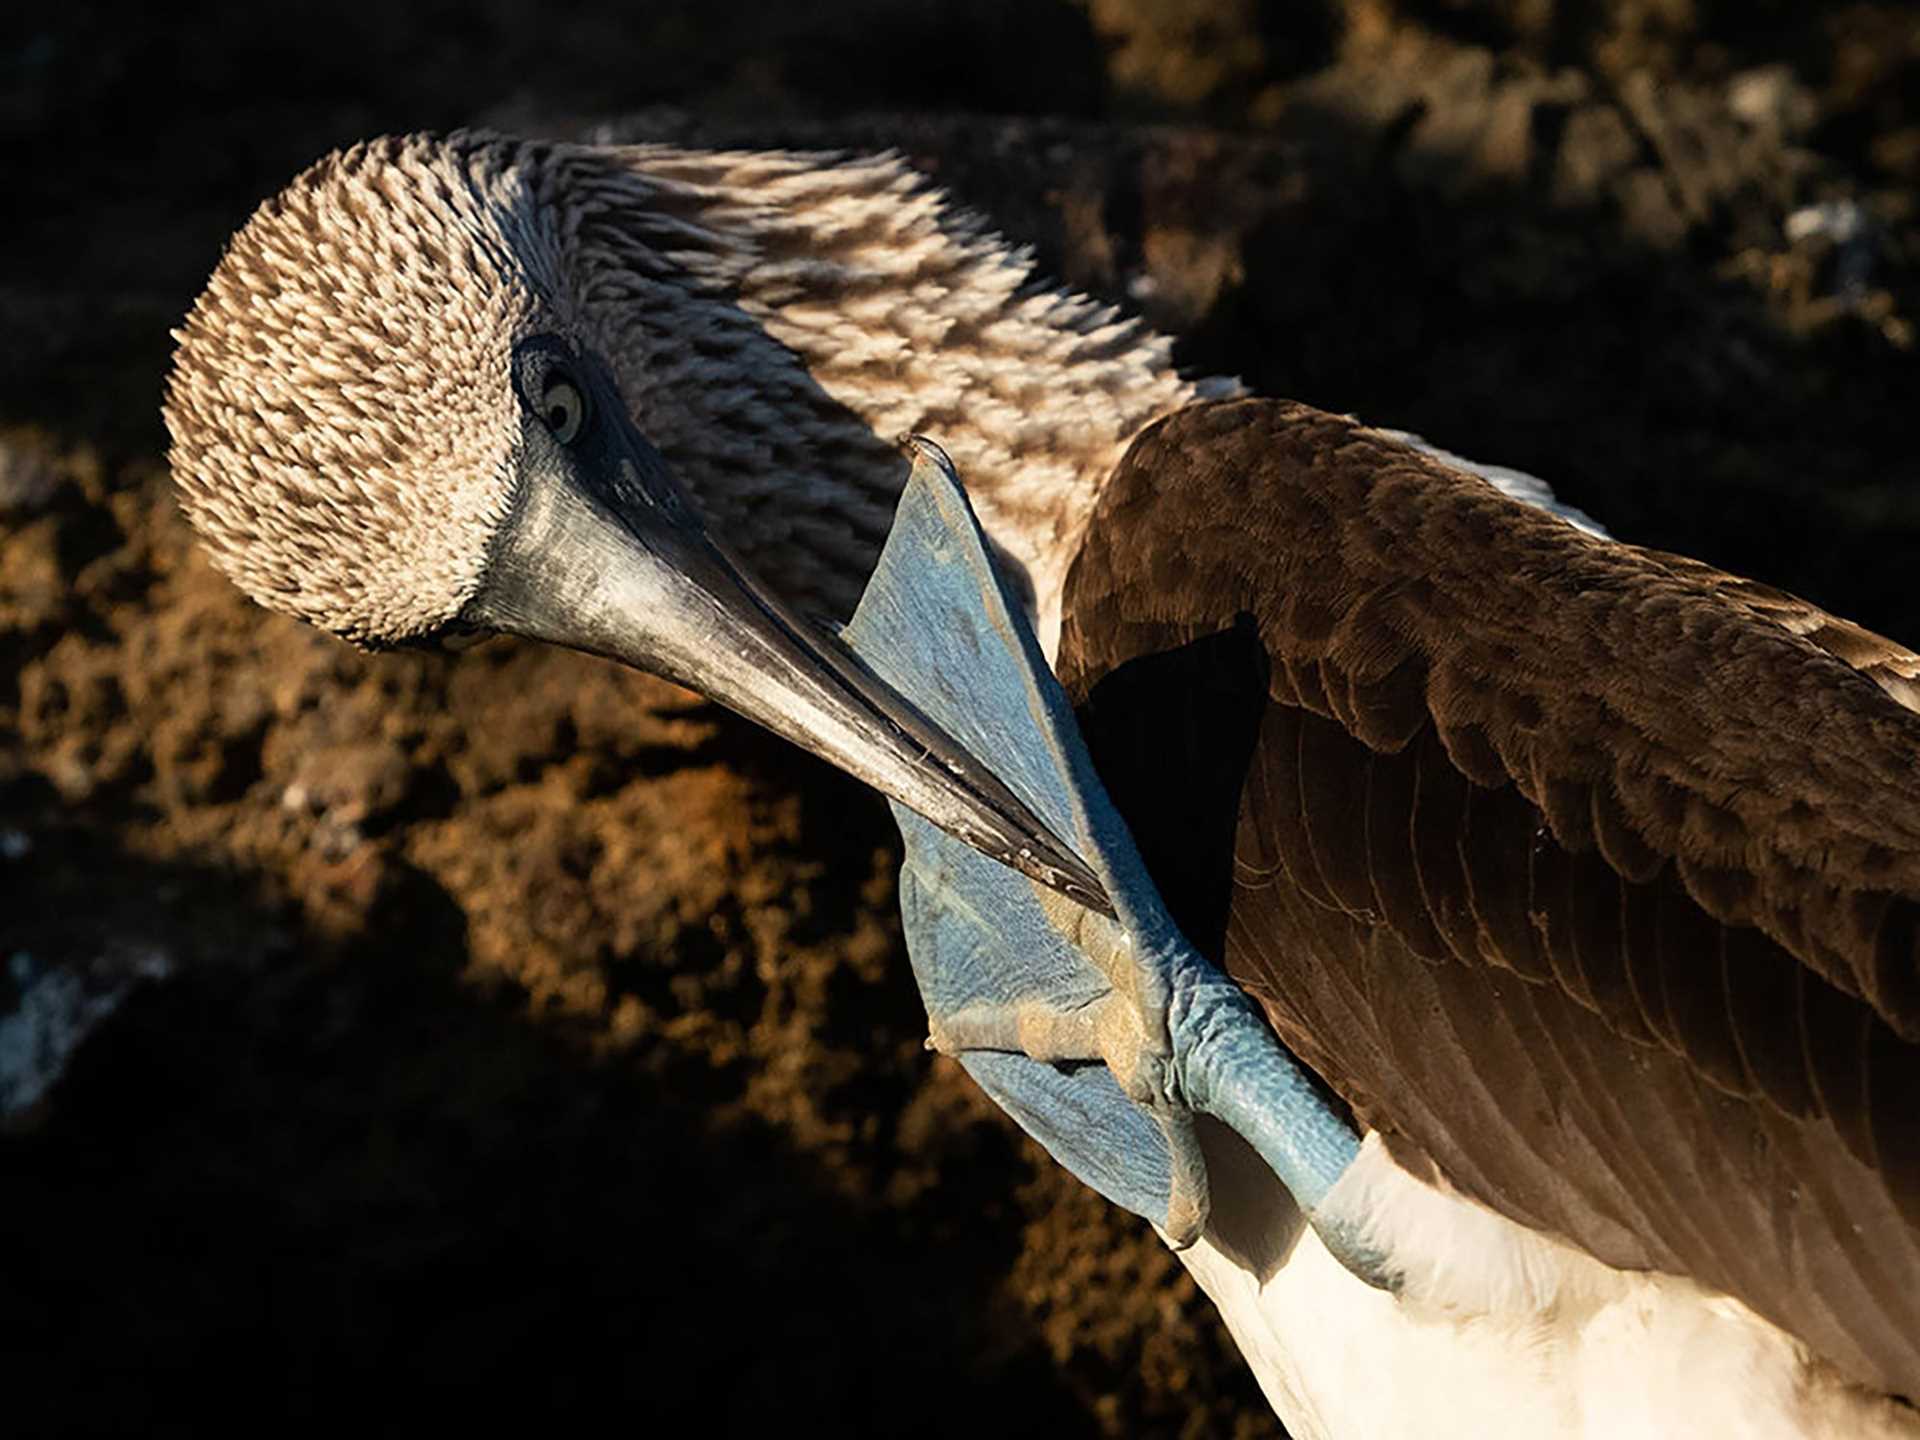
pixel 1586 874
pixel 1894 668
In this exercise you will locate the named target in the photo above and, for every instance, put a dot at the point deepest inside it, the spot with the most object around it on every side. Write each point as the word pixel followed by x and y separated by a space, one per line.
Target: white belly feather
pixel 1498 1332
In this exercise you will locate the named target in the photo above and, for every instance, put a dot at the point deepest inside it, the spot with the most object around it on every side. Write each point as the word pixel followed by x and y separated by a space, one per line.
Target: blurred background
pixel 389 1041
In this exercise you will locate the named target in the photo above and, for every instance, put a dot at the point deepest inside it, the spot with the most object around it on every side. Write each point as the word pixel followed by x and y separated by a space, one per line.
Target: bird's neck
pixel 779 321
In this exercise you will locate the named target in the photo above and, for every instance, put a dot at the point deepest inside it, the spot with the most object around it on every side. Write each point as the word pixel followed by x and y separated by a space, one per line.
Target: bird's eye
pixel 564 409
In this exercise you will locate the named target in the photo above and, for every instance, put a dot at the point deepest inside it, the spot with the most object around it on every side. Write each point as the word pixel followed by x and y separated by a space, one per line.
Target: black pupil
pixel 557 413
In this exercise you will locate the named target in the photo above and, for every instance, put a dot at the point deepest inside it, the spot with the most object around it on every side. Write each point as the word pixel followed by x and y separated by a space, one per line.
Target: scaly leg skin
pixel 1101 1035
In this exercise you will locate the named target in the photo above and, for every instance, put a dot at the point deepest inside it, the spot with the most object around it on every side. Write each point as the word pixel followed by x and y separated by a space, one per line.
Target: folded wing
pixel 1589 876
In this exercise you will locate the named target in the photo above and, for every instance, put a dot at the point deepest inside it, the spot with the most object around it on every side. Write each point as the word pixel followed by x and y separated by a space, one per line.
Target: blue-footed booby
pixel 1570 889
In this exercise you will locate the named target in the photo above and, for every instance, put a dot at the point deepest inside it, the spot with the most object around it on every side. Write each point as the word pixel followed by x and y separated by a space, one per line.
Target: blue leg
pixel 1102 1036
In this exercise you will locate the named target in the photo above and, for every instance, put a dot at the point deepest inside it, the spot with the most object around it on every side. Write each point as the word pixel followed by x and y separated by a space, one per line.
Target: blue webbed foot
pixel 1101 1035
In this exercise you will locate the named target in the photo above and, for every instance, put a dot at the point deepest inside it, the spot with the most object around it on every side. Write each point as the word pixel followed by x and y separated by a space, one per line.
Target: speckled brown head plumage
pixel 340 409
pixel 342 417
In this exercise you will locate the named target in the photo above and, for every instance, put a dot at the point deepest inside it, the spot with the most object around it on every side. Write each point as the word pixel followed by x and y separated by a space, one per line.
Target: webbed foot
pixel 1102 1035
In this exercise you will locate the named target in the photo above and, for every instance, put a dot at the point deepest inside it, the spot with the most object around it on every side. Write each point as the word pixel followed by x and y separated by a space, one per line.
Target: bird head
pixel 347 420
pixel 394 414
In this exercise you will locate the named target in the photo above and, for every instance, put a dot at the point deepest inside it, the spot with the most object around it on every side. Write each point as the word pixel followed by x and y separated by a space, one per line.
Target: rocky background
pixel 402 1040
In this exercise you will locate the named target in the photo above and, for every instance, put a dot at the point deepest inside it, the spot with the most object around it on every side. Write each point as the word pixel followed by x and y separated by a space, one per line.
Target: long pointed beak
pixel 605 554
